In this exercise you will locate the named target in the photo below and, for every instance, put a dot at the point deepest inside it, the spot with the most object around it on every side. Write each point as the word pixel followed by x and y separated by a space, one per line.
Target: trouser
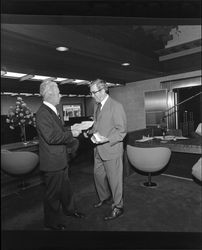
pixel 58 193
pixel 108 176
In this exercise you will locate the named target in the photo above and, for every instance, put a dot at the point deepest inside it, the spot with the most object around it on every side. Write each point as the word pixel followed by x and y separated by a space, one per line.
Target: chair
pixel 199 129
pixel 148 160
pixel 197 170
pixel 18 163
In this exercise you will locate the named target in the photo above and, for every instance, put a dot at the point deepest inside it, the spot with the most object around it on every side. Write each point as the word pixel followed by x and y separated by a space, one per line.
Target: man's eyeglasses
pixel 94 92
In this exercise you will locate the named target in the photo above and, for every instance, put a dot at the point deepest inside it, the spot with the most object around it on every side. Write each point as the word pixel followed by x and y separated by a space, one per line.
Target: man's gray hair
pixel 47 88
pixel 101 84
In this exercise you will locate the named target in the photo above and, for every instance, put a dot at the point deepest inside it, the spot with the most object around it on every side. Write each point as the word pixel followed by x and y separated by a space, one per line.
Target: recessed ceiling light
pixel 14 75
pixel 78 80
pixel 3 72
pixel 62 48
pixel 59 79
pixel 125 64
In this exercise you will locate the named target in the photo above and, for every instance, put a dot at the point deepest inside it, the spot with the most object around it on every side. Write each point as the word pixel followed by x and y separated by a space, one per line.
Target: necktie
pixel 98 110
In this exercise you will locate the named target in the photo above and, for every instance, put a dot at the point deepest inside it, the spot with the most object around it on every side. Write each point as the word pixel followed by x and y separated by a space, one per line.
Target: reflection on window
pixel 73 110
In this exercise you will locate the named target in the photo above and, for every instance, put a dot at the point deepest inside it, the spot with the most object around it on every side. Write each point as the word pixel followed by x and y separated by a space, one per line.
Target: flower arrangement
pixel 20 115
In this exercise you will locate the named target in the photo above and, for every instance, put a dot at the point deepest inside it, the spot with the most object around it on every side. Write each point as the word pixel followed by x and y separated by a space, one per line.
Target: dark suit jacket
pixel 53 139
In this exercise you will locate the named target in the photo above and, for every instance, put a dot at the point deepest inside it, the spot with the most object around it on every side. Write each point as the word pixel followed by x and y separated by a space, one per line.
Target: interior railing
pixel 171 116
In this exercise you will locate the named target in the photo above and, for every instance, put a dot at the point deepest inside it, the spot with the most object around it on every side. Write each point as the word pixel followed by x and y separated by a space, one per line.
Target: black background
pixel 24 240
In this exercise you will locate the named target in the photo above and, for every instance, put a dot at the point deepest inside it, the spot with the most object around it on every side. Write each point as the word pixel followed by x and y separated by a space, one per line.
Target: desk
pixel 32 146
pixel 190 146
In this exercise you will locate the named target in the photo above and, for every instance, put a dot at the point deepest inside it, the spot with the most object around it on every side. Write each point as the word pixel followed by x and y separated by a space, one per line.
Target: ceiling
pixel 96 49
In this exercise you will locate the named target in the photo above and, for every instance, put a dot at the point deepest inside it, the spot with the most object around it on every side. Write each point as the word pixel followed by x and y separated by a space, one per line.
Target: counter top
pixel 190 145
pixel 20 146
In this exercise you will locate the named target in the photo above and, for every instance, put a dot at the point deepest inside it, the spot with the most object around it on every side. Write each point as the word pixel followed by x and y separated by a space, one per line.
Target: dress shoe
pixel 115 213
pixel 76 215
pixel 99 204
pixel 59 227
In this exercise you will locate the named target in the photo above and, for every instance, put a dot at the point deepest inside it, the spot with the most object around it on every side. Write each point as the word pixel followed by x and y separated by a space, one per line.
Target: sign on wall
pixel 73 110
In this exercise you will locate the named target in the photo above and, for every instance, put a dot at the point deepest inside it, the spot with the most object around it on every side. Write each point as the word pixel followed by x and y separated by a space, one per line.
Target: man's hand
pixel 76 133
pixel 85 134
pixel 99 139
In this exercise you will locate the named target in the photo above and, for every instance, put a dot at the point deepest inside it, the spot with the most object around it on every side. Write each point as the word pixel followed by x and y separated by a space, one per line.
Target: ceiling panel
pixel 97 48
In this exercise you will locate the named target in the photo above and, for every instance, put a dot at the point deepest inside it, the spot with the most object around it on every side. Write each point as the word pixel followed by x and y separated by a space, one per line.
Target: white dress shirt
pixel 103 101
pixel 51 106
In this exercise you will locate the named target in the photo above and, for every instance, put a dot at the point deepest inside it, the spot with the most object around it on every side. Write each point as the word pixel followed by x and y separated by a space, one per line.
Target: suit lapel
pixel 55 117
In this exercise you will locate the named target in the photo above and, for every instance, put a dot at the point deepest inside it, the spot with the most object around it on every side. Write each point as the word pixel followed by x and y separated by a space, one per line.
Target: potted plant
pixel 20 115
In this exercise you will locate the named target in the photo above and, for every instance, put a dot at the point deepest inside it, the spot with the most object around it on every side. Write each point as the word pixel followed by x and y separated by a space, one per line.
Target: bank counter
pixel 32 146
pixel 175 143
pixel 185 151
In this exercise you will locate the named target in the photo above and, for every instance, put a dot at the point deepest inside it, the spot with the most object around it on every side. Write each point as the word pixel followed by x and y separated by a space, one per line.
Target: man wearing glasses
pixel 108 132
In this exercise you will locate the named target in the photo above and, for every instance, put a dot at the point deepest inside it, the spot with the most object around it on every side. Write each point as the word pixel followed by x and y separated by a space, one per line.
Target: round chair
pixel 148 160
pixel 18 162
pixel 197 170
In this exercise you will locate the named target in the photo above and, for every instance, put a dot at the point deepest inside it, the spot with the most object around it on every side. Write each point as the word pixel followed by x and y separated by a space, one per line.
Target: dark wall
pixel 73 120
pixel 10 136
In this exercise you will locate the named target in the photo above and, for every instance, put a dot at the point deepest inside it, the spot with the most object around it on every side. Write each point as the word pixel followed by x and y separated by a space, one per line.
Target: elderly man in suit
pixel 108 132
pixel 53 138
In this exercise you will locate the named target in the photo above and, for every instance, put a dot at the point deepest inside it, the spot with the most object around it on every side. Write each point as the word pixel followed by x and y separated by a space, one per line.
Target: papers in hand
pixel 82 126
pixel 98 138
pixel 93 139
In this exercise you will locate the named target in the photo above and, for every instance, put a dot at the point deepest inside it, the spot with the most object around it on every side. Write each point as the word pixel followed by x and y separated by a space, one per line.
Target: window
pixel 71 110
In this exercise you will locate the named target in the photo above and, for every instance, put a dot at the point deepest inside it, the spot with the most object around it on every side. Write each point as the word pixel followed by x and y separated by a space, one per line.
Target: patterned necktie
pixel 99 105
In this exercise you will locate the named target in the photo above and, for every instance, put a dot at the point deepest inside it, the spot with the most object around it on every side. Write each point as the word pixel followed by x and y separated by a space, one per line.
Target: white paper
pixel 181 138
pixel 82 126
pixel 145 139
pixel 97 137
pixel 93 139
pixel 171 137
pixel 167 137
